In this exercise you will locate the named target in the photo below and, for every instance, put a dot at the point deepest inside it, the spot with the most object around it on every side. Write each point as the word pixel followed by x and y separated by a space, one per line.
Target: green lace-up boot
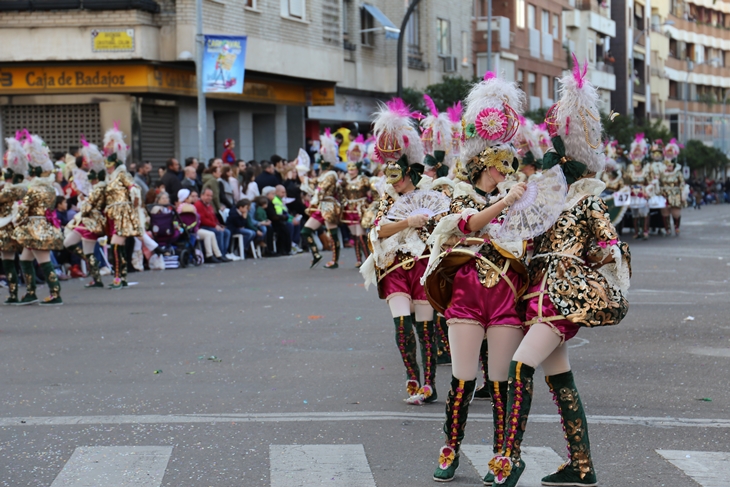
pixel 427 341
pixel 308 237
pixel 498 393
pixel 405 338
pixel 26 266
pixel 94 272
pixel 54 286
pixel 457 410
pixel 12 275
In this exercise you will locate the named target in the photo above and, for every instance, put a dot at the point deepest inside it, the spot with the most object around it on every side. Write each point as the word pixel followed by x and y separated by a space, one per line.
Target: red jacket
pixel 207 214
pixel 229 157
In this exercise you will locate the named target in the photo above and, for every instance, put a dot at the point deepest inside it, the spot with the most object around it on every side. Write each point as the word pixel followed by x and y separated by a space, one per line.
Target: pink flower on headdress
pixel 491 124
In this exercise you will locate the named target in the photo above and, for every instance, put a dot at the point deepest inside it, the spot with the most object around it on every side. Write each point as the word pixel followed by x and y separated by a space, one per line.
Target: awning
pixel 391 31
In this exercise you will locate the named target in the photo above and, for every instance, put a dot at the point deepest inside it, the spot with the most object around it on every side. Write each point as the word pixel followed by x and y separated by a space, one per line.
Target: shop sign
pixel 112 40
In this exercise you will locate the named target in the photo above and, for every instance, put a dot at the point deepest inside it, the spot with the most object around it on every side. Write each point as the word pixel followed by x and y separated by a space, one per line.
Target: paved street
pixel 264 373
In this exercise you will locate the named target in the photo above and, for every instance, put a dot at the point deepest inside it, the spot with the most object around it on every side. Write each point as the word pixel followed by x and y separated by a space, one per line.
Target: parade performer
pixel 639 177
pixel 37 228
pixel 355 188
pixel 89 224
pixel 672 187
pixel 14 190
pixel 612 176
pixel 399 251
pixel 124 213
pixel 437 137
pixel 529 151
pixel 472 278
pixel 579 276
pixel 325 207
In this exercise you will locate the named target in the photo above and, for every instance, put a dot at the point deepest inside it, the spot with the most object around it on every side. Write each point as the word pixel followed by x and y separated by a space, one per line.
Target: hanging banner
pixel 224 60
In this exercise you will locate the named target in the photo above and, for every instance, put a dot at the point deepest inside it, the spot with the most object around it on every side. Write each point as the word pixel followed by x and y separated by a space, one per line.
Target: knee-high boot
pixel 578 470
pixel 308 237
pixel 483 393
pixel 29 276
pixel 364 245
pixel 676 225
pixel 498 392
pixel 12 275
pixel 508 466
pixel 334 234
pixel 427 342
pixel 406 341
pixel 667 226
pixel 120 264
pixel 54 286
pixel 457 410
pixel 94 271
pixel 444 350
pixel 358 251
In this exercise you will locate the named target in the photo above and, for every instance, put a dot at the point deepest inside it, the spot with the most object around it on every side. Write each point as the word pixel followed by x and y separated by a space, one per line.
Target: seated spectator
pixel 226 190
pixel 210 181
pixel 249 188
pixel 190 219
pixel 190 181
pixel 275 212
pixel 209 221
pixel 62 211
pixel 258 216
pixel 240 222
pixel 152 195
pixel 162 204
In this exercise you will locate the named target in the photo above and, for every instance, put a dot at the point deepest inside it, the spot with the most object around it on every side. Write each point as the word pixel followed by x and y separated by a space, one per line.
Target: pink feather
pixel 18 135
pixel 26 134
pixel 327 132
pixel 116 125
pixel 406 142
pixel 360 139
pixel 521 119
pixel 430 104
pixel 489 75
pixel 417 115
pixel 399 107
pixel 639 137
pixel 576 71
pixel 543 126
pixel 83 141
pixel 454 112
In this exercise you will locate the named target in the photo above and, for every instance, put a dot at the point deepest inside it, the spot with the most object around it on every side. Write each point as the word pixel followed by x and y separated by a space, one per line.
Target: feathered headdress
pixel 356 151
pixel 81 181
pixel 15 157
pixel 328 148
pixel 527 144
pixel 457 131
pixel 39 156
pixel 639 148
pixel 491 122
pixel 396 134
pixel 543 137
pixel 304 162
pixel 574 124
pixel 115 150
pixel 92 155
pixel 437 129
pixel 671 150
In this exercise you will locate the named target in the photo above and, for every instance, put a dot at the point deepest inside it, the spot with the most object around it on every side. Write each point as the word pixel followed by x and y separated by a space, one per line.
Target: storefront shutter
pixel 158 135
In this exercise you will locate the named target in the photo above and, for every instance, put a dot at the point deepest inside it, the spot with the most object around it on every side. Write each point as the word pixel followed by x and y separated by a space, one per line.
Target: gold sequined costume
pixel 120 195
pixel 325 207
pixel 355 192
pixel 91 214
pixel 9 194
pixel 33 229
pixel 671 183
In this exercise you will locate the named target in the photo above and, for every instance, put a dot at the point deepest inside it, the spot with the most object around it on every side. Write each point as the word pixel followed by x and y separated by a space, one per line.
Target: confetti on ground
pixel 704 399
pixel 314 317
pixel 158 371
pixel 689 318
pixel 358 318
pixel 190 373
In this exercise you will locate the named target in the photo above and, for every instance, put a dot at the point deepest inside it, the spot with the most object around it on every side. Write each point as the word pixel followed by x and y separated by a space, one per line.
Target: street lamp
pixel 202 112
pixel 403 26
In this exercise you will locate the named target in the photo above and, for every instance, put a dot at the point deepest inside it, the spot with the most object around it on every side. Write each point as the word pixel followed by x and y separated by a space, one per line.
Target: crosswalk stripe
pixel 707 468
pixel 118 466
pixel 309 465
pixel 539 462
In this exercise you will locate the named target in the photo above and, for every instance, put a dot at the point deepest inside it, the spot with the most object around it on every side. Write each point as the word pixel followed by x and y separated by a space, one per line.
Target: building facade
pixel 339 56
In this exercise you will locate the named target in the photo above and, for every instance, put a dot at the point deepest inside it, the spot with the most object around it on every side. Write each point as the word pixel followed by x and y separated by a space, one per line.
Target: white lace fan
pixel 538 208
pixel 428 203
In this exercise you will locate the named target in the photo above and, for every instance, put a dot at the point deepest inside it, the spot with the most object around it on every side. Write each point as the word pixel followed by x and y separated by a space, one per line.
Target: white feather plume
pixel 38 152
pixel 399 124
pixel 328 148
pixel 114 143
pixel 527 139
pixel 92 155
pixel 16 158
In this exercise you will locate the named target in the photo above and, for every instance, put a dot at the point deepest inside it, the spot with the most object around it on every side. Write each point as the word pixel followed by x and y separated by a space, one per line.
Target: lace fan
pixel 538 209
pixel 428 203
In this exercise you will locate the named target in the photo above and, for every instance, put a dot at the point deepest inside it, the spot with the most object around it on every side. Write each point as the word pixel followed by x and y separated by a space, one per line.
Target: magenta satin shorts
pixel 564 327
pixel 403 282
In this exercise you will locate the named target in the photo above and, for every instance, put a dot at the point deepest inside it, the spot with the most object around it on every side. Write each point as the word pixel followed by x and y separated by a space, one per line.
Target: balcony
pixel 592 6
pixel 699 28
pixel 639 37
pixel 640 88
pixel 602 77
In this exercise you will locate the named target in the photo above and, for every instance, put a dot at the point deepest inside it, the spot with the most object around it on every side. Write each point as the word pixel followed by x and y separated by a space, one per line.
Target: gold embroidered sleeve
pixel 599 220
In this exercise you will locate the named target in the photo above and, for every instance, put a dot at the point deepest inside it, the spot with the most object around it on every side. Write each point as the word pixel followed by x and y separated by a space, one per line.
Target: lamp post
pixel 199 53
pixel 403 25
pixel 489 35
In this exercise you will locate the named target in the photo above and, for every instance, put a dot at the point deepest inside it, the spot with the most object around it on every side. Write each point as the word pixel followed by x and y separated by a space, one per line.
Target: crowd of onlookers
pixel 706 191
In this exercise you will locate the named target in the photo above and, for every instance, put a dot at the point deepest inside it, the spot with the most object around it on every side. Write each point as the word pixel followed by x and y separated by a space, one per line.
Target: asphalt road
pixel 257 355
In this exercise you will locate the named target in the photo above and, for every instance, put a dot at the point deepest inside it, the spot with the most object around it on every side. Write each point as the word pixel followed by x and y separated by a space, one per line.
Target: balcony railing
pixel 606 68
pixel 593 6
pixel 40 5
pixel 640 89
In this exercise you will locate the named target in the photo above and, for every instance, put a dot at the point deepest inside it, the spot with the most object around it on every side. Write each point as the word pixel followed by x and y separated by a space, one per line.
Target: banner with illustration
pixel 224 60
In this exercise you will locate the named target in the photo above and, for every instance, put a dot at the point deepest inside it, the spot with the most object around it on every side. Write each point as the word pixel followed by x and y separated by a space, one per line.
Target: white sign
pixel 621 197
pixel 347 108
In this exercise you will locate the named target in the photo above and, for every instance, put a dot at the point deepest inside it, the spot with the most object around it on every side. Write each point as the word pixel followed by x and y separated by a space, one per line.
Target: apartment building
pixel 338 56
pixel 698 70
pixel 631 62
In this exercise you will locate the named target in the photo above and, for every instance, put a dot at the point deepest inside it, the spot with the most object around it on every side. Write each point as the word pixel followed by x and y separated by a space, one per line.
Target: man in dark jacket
pixel 279 218
pixel 267 177
pixel 171 179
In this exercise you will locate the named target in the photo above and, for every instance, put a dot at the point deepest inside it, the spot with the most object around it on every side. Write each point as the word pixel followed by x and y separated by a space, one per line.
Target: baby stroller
pixel 171 233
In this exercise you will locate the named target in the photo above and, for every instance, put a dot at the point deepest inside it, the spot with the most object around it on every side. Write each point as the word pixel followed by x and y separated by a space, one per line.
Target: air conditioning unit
pixel 450 64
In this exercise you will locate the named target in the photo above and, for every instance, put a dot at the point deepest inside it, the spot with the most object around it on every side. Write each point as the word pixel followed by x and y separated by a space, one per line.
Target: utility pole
pixel 489 36
pixel 199 53
pixel 403 25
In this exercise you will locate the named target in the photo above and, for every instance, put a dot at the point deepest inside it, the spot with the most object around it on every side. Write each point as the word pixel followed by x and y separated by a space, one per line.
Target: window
pixel 545 89
pixel 250 4
pixel 346 20
pixel 521 79
pixel 531 84
pixel 591 51
pixel 367 24
pixel 545 25
pixel 293 8
pixel 443 37
pixel 531 16
pixel 464 48
pixel 413 33
pixel 520 14
pixel 556 26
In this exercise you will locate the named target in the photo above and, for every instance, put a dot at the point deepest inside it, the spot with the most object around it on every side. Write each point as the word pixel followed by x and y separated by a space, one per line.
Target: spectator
pixel 240 222
pixel 210 181
pixel 216 162
pixel 294 219
pixel 209 221
pixel 192 161
pixel 62 211
pixel 275 212
pixel 162 203
pixel 172 178
pixel 229 157
pixel 190 181
pixel 142 179
pixel 249 188
pixel 235 185
pixel 225 185
pixel 259 215
pixel 152 195
pixel 190 218
pixel 241 166
pixel 267 177
pixel 160 172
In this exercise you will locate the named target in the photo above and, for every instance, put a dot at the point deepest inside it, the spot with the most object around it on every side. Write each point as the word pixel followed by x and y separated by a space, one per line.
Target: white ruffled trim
pixel 582 188
pixel 368 273
pixel 617 273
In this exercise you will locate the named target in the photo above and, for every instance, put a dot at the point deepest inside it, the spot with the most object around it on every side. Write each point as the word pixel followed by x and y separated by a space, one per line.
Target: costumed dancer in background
pixel 89 224
pixel 529 151
pixel 672 187
pixel 579 276
pixel 14 190
pixel 354 189
pixel 472 278
pixel 399 251
pixel 124 211
pixel 639 177
pixel 612 176
pixel 325 207
pixel 37 228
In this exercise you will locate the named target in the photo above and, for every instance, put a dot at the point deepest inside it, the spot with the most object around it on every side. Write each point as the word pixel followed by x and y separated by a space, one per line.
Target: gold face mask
pixel 393 173
pixel 351 166
pixel 501 158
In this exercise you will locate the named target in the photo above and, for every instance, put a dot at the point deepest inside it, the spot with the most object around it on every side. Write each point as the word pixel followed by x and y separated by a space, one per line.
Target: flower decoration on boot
pixel 446 457
pixel 501 467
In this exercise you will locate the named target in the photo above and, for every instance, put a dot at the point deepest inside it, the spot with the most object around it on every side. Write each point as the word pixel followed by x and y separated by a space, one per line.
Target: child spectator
pixel 240 222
